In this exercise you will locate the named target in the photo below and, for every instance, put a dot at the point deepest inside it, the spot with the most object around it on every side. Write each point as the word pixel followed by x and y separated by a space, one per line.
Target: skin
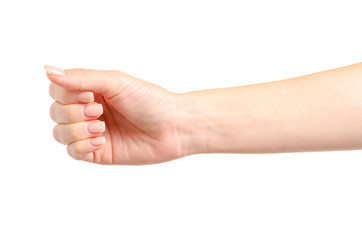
pixel 146 124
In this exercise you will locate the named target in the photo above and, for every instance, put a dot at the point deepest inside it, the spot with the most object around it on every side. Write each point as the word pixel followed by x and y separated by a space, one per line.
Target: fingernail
pixel 54 71
pixel 98 141
pixel 96 127
pixel 93 110
pixel 85 97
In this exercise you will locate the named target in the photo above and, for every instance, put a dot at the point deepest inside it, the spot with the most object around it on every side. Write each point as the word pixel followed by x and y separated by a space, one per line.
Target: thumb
pixel 106 82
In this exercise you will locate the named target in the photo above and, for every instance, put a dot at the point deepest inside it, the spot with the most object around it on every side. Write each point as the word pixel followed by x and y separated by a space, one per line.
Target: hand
pixel 109 117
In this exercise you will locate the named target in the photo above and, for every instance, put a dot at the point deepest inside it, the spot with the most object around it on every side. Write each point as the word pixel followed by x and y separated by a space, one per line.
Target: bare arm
pixel 110 117
pixel 316 112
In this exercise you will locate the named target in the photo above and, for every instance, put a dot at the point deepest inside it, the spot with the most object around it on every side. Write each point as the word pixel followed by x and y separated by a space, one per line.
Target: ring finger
pixel 69 133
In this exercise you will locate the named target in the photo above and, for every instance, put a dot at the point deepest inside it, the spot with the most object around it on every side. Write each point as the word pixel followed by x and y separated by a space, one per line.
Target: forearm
pixel 317 112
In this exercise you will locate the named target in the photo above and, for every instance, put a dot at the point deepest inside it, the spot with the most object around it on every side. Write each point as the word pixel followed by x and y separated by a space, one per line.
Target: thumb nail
pixel 51 70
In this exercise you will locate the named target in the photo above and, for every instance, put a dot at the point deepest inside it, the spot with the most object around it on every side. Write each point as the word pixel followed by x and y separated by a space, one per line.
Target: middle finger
pixel 72 113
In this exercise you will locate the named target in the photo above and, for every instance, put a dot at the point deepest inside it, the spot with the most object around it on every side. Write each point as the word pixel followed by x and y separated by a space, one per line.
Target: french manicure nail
pixel 93 110
pixel 98 141
pixel 51 70
pixel 96 127
pixel 85 97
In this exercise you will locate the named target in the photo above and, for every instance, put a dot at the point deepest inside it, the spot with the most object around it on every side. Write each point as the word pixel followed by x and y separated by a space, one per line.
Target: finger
pixel 80 150
pixel 72 113
pixel 66 96
pixel 69 133
pixel 106 82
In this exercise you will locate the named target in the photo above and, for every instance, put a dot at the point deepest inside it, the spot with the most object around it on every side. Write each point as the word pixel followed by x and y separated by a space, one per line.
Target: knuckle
pixel 57 134
pixel 52 111
pixel 89 157
pixel 83 77
pixel 74 151
pixel 58 93
pixel 117 80
pixel 51 90
pixel 115 73
pixel 72 114
pixel 74 132
pixel 78 149
pixel 70 150
pixel 117 76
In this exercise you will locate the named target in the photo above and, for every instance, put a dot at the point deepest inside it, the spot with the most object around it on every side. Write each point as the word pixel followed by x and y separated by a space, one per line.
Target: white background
pixel 182 46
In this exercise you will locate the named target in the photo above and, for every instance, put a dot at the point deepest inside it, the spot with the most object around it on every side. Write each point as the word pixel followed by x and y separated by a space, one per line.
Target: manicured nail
pixel 85 97
pixel 54 71
pixel 98 141
pixel 96 127
pixel 93 110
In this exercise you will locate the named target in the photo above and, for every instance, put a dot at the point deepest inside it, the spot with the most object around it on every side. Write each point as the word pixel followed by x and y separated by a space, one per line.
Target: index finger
pixel 66 96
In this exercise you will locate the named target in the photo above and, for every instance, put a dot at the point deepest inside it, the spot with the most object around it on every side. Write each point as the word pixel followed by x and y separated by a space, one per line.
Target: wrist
pixel 202 128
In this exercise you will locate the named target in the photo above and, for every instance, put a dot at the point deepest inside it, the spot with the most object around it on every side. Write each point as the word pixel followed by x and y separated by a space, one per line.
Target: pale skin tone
pixel 110 117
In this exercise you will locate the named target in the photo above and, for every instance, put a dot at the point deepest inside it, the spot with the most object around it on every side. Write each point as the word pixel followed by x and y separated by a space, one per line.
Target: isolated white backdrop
pixel 182 46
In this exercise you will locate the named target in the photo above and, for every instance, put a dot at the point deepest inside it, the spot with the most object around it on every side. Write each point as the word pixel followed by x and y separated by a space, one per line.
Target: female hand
pixel 109 117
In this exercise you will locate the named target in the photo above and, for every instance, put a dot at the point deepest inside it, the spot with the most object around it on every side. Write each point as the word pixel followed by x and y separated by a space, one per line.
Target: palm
pixel 137 137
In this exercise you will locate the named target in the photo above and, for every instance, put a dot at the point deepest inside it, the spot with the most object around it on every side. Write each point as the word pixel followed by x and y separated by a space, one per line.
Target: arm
pixel 110 117
pixel 316 112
